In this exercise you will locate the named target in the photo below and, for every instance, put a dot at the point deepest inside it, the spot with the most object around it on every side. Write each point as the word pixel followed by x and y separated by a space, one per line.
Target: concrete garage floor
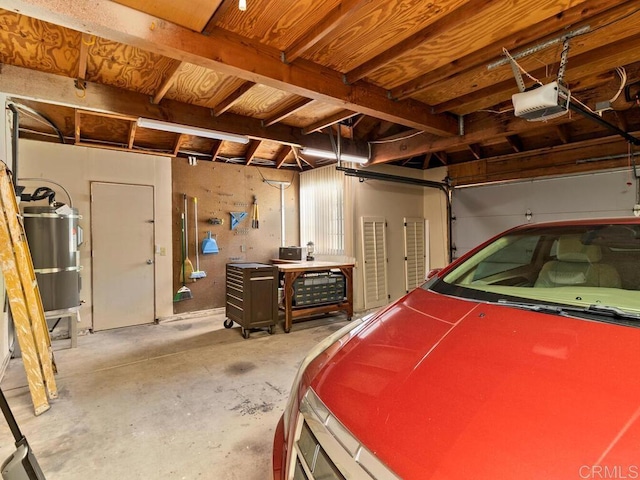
pixel 185 399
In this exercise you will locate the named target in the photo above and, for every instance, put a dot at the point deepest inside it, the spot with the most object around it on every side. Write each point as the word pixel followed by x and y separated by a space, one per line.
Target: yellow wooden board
pixel 193 14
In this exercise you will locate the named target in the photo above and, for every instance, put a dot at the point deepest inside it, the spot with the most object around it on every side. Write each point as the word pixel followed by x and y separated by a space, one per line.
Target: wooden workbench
pixel 292 271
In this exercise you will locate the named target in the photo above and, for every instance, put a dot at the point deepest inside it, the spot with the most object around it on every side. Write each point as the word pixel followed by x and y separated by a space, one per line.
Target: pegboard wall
pixel 222 189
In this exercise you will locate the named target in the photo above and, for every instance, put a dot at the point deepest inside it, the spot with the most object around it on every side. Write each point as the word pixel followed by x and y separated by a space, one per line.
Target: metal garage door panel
pixel 484 211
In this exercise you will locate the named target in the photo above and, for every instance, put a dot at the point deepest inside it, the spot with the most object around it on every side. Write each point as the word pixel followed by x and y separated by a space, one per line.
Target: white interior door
pixel 374 253
pixel 122 251
pixel 415 248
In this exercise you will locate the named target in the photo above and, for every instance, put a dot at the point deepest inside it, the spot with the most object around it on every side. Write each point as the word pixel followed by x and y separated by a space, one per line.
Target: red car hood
pixel 442 388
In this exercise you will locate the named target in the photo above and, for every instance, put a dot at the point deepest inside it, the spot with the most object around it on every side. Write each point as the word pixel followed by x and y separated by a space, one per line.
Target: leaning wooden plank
pixel 29 283
pixel 19 312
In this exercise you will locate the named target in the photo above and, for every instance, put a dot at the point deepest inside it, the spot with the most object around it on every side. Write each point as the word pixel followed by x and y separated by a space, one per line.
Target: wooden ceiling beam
pixel 85 42
pixel 228 102
pixel 453 20
pixel 327 122
pixel 563 133
pixel 338 16
pixel 599 59
pixel 179 141
pixel 443 157
pixel 515 142
pixel 133 126
pixel 286 112
pixel 168 81
pixel 475 150
pixel 535 33
pixel 231 54
pixel 215 149
pixel 426 161
pixel 476 133
pixel 583 156
pixel 19 82
pixel 219 11
pixel 282 155
pixel 252 149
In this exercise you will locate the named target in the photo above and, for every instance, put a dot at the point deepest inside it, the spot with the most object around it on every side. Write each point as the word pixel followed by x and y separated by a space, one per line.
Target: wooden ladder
pixel 24 299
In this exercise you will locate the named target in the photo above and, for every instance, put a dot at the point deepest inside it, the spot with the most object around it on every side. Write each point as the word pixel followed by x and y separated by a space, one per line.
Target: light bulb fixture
pixel 242 5
pixel 188 130
pixel 344 157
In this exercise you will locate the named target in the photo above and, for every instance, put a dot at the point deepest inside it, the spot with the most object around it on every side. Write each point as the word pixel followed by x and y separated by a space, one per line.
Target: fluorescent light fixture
pixel 344 157
pixel 188 130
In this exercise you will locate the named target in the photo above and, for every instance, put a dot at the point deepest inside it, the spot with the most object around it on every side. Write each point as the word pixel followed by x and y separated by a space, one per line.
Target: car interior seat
pixel 577 264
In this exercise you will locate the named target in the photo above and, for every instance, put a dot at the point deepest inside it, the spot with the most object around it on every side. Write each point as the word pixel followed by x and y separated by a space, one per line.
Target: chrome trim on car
pixel 323 443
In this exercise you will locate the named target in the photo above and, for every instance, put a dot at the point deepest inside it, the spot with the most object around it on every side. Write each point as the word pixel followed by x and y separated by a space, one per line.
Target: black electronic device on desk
pixel 252 296
pixel 290 253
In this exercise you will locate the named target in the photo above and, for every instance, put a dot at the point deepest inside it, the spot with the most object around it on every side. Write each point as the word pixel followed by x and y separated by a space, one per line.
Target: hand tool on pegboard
pixel 255 217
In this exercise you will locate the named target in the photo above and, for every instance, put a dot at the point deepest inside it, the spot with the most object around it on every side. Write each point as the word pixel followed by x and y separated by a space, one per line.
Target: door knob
pixel 149 262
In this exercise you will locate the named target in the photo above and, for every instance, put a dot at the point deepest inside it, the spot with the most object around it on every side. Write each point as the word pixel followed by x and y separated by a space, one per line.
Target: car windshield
pixel 578 266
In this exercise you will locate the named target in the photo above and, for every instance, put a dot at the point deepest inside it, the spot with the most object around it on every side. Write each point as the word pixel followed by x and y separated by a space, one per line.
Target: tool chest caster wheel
pixel 228 323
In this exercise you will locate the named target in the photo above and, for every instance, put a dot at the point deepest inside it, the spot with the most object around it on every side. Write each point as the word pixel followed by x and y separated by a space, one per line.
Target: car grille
pixel 326 450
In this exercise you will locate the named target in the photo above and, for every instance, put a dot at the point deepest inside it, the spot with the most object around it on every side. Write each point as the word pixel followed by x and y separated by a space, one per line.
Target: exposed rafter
pixel 215 149
pixel 476 150
pixel 85 42
pixel 252 149
pixel 339 15
pixel 284 113
pixel 179 141
pixel 535 33
pixel 326 122
pixel 515 142
pixel 282 155
pixel 564 133
pixel 430 32
pixel 19 82
pixel 227 102
pixel 167 82
pixel 231 54
pixel 133 126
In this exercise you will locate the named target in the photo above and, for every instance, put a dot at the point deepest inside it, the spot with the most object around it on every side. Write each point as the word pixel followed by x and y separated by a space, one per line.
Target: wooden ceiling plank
pixel 535 33
pixel 215 149
pixel 222 8
pixel 231 54
pixel 252 149
pixel 515 142
pixel 331 21
pixel 102 146
pixel 327 122
pixel 588 63
pixel 451 21
pixel 282 155
pixel 133 126
pixel 105 100
pixel 282 114
pixel 228 102
pixel 85 42
pixel 167 82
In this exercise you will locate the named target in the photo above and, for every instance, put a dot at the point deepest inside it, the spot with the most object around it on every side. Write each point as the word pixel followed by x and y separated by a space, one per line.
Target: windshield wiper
pixel 603 310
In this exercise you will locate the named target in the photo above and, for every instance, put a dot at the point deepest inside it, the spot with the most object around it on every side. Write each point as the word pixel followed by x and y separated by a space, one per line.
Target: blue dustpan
pixel 209 245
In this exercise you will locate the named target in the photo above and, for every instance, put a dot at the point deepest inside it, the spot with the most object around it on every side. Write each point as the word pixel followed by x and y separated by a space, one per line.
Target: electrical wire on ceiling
pixel 622 73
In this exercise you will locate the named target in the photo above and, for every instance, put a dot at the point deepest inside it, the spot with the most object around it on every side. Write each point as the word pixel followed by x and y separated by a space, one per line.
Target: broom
pixel 188 266
pixel 183 292
pixel 197 273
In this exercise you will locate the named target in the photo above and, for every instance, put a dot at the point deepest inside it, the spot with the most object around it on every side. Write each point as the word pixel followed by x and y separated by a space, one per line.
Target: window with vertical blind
pixel 414 252
pixel 322 210
pixel 374 253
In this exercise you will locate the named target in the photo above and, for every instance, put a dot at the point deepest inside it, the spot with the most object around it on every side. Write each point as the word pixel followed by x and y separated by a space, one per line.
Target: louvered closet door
pixel 374 253
pixel 414 252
